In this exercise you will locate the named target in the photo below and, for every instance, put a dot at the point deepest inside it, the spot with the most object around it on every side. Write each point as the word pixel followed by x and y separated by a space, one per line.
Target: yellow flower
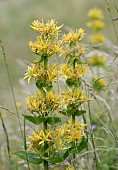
pixel 99 83
pixel 37 72
pixel 97 60
pixel 45 47
pixel 38 138
pixel 73 37
pixel 42 104
pixel 58 135
pixel 102 82
pixel 96 38
pixel 73 97
pixel 95 13
pixel 74 131
pixel 79 71
pixel 96 25
pixel 46 29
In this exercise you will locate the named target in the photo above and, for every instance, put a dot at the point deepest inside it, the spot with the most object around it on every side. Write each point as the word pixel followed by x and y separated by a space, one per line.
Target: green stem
pixel 10 82
pixel 45 124
pixel 45 146
pixel 46 64
pixel 73 116
pixel 7 140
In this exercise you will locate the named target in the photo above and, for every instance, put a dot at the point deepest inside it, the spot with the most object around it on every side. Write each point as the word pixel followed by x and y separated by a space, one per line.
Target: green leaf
pixel 77 83
pixel 30 157
pixel 80 147
pixel 48 86
pixel 76 149
pixel 35 119
pixel 79 112
pixel 69 82
pixel 41 84
pixel 53 120
pixel 70 110
pixel 58 158
pixel 64 112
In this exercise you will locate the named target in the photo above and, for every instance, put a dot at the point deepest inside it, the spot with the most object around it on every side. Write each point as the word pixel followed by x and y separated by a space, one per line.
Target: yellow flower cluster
pixel 45 47
pixel 48 29
pixel 37 72
pixel 38 138
pixel 73 37
pixel 73 46
pixel 47 43
pixel 99 83
pixel 58 139
pixel 97 38
pixel 42 104
pixel 74 131
pixel 73 97
pixel 95 13
pixel 79 71
pixel 96 25
pixel 97 60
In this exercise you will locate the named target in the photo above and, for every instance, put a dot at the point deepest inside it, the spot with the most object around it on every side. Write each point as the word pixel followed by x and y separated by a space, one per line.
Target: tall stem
pixel 45 124
pixel 45 146
pixel 73 116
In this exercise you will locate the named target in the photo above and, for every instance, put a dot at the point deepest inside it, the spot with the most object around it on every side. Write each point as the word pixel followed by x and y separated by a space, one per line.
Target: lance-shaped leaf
pixel 58 158
pixel 79 112
pixel 35 119
pixel 76 149
pixel 29 156
pixel 53 120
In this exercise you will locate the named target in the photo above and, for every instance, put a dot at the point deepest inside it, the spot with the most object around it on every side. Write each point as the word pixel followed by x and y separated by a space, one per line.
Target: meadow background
pixel 15 33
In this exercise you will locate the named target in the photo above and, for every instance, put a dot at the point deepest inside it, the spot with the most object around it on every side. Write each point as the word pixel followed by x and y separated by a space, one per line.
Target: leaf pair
pixel 38 120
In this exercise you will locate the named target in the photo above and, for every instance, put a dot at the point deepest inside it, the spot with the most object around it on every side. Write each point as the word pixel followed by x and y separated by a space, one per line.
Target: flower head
pixel 99 83
pixel 95 13
pixel 46 29
pixel 96 25
pixel 37 72
pixel 38 138
pixel 42 104
pixel 79 71
pixel 74 131
pixel 97 39
pixel 46 47
pixel 73 37
pixel 97 60
pixel 73 98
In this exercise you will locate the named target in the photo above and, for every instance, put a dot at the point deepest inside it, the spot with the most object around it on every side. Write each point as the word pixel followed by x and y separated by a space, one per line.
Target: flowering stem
pixel 45 124
pixel 73 116
pixel 45 146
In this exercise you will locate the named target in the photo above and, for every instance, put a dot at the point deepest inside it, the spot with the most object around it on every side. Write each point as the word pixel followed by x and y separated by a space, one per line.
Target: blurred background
pixel 17 15
pixel 15 33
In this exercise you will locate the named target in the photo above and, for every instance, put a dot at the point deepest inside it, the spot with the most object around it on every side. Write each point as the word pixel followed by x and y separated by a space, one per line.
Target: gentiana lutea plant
pixel 96 39
pixel 57 140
